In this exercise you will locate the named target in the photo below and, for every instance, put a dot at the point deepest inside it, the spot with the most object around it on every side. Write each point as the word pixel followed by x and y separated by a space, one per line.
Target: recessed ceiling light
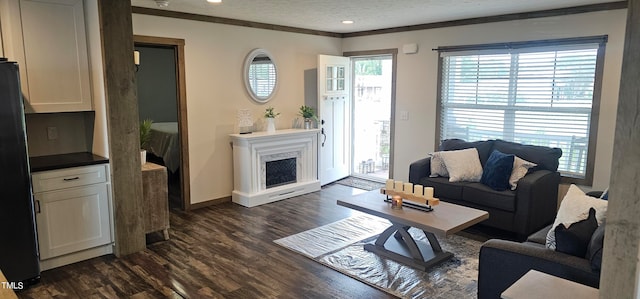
pixel 347 22
pixel 214 1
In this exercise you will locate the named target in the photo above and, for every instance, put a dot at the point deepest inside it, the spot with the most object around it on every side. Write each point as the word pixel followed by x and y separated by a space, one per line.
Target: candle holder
pixel 411 197
pixel 396 202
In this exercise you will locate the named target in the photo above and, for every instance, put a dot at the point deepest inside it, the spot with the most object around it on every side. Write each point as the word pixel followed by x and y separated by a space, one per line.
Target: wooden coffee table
pixel 444 220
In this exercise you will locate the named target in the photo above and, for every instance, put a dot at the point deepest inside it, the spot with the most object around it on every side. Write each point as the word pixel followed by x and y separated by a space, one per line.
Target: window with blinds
pixel 531 95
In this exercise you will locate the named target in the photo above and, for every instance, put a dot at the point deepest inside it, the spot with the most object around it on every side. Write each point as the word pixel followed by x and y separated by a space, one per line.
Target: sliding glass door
pixel 372 102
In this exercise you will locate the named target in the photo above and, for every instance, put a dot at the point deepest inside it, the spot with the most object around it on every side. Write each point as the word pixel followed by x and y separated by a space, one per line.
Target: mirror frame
pixel 245 74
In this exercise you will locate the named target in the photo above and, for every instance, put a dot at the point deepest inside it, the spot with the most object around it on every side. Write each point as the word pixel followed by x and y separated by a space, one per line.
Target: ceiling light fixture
pixel 347 22
pixel 162 3
pixel 214 1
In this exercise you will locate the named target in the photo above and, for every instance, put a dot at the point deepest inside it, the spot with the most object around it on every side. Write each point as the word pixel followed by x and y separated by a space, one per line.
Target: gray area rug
pixel 360 183
pixel 339 245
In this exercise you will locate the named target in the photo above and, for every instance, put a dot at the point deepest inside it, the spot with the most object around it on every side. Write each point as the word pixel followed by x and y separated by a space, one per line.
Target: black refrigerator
pixel 18 237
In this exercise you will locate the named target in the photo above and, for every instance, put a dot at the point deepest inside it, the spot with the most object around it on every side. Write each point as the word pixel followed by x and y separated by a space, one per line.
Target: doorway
pixel 372 114
pixel 162 99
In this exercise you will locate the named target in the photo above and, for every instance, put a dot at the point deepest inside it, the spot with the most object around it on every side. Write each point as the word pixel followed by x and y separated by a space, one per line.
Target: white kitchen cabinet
pixel 73 214
pixel 48 40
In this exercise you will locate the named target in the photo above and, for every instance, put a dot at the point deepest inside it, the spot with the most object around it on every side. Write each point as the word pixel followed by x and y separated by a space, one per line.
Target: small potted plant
pixel 270 115
pixel 145 135
pixel 307 113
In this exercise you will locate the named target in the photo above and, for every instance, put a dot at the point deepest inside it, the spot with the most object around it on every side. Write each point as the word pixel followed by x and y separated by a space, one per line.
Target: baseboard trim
pixel 207 203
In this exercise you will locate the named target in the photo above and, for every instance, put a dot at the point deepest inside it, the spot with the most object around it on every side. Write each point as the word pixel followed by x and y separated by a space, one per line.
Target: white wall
pixel 417 75
pixel 214 57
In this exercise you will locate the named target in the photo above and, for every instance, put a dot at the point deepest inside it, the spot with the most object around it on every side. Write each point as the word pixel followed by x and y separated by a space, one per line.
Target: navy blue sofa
pixel 527 209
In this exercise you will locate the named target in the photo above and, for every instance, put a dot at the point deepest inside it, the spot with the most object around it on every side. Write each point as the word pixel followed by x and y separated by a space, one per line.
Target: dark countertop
pixel 52 162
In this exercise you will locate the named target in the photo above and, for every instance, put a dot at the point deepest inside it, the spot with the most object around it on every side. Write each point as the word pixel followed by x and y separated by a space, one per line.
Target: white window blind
pixel 533 96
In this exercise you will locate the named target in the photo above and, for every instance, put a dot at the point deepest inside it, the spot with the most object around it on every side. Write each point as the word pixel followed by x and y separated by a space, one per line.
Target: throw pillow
pixel 497 171
pixel 437 166
pixel 574 240
pixel 462 165
pixel 520 169
pixel 594 251
pixel 573 208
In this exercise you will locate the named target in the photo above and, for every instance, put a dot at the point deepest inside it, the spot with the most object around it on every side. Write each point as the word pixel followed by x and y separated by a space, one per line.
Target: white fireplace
pixel 268 167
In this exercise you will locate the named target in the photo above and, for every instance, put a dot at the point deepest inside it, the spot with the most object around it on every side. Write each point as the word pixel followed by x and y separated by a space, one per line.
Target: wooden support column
pixel 123 124
pixel 619 277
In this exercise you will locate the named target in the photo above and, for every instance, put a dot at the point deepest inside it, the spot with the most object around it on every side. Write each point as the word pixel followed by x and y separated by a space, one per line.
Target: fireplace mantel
pixel 252 151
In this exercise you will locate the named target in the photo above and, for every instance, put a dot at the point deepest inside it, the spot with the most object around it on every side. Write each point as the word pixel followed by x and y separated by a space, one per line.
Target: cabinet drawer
pixel 69 177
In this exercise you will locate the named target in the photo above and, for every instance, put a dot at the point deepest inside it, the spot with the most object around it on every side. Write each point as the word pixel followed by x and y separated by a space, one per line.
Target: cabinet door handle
pixel 71 179
pixel 38 207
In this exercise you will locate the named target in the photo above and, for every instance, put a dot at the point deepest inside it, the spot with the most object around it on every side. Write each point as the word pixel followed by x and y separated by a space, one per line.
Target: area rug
pixel 360 183
pixel 339 245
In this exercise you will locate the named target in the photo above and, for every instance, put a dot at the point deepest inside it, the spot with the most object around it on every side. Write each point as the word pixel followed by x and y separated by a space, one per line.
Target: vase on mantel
pixel 307 123
pixel 271 125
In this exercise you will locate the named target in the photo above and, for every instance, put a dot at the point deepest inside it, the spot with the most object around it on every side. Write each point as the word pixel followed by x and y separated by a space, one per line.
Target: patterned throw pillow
pixel 520 169
pixel 437 166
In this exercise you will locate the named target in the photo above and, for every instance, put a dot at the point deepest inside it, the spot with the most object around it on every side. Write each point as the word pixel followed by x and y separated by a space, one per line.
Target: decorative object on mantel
pixel 145 136
pixel 308 113
pixel 245 121
pixel 270 117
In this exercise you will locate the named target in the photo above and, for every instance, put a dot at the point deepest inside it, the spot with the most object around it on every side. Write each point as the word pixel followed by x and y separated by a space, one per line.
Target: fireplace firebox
pixel 280 172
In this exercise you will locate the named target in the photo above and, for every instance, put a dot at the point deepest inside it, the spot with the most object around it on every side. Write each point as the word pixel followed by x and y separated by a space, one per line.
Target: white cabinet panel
pixel 73 219
pixel 74 215
pixel 48 40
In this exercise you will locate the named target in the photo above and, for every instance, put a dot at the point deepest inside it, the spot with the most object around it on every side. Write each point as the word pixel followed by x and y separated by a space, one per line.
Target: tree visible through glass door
pixel 372 86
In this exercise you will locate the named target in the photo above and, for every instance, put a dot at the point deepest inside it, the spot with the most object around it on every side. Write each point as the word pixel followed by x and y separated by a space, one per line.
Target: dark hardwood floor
pixel 222 251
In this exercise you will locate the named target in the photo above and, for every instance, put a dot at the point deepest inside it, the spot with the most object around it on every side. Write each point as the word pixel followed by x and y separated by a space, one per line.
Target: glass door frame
pixel 394 66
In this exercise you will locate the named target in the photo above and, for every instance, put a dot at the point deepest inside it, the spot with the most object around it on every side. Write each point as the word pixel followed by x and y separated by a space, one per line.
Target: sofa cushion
pixel 545 157
pixel 594 251
pixel 482 195
pixel 462 165
pixel 442 188
pixel 484 147
pixel 497 171
pixel 574 239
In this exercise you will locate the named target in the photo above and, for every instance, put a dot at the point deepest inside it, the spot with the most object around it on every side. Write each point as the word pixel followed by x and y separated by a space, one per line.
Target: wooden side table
pixel 156 198
pixel 538 285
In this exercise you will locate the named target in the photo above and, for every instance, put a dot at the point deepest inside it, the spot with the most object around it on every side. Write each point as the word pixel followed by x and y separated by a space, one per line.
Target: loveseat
pixel 528 208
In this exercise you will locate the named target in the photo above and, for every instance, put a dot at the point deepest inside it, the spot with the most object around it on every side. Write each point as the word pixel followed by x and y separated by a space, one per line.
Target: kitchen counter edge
pixel 53 162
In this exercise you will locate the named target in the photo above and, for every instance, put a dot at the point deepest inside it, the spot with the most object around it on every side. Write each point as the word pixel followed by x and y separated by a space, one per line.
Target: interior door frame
pixel 394 67
pixel 183 128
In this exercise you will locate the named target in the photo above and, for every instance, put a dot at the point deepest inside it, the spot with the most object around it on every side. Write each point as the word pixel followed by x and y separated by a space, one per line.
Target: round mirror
pixel 260 75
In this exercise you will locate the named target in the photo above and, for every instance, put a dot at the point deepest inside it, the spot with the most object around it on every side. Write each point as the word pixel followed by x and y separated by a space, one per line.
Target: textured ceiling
pixel 326 15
